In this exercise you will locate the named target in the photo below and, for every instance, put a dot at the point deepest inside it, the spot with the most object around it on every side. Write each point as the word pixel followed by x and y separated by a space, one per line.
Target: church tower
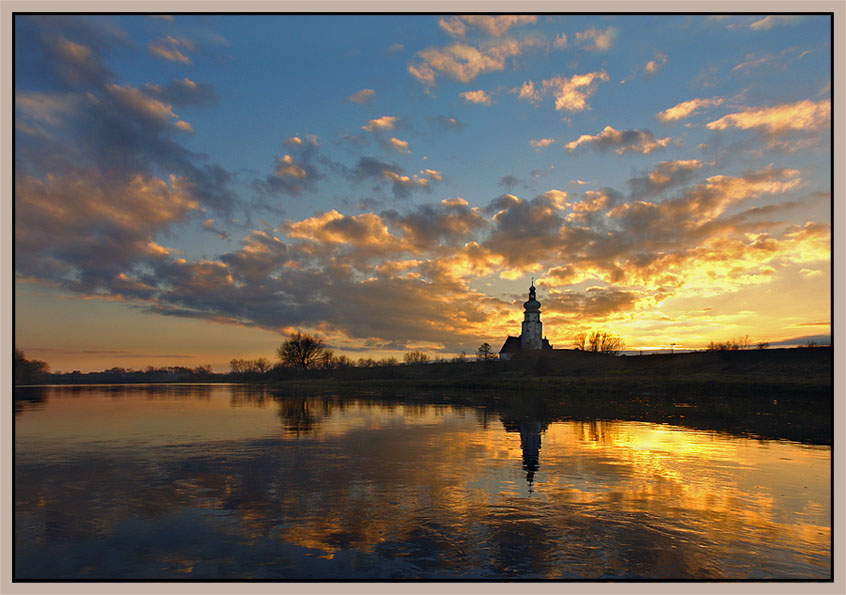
pixel 531 337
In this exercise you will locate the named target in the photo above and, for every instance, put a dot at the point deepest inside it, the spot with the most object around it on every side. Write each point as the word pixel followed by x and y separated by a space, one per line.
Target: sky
pixel 193 188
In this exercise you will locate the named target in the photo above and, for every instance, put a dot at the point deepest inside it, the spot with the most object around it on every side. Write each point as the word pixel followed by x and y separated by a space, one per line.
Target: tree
pixel 415 357
pixel 263 365
pixel 579 342
pixel 485 352
pixel 342 361
pixel 598 342
pixel 300 351
pixel 731 344
pixel 29 371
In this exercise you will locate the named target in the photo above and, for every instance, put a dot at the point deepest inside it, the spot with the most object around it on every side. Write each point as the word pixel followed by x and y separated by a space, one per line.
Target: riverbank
pixel 773 394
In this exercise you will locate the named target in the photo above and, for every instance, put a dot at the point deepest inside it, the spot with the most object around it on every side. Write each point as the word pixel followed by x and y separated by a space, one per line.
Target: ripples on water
pixel 226 482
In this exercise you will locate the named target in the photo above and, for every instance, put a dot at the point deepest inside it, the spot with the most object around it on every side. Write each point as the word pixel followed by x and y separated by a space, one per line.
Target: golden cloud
pixel 622 141
pixel 171 49
pixel 478 96
pixel 383 123
pixel 464 62
pixel 495 25
pixel 686 108
pixel 595 39
pixel 400 146
pixel 802 115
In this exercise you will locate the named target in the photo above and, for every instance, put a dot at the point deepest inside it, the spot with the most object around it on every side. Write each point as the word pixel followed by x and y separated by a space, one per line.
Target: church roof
pixel 511 345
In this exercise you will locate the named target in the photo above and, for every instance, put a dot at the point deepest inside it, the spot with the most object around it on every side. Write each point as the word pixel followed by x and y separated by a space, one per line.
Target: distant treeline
pixel 127 375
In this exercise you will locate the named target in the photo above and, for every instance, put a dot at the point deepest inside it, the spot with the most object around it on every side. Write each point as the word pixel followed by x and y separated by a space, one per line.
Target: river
pixel 234 482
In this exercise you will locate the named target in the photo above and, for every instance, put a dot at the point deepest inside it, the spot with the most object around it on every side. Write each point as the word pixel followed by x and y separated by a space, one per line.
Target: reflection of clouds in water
pixel 371 491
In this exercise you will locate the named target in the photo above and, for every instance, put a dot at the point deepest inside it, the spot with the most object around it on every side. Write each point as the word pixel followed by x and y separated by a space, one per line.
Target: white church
pixel 531 339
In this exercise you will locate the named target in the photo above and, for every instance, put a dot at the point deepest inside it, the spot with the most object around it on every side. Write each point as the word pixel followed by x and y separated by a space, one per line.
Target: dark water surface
pixel 225 481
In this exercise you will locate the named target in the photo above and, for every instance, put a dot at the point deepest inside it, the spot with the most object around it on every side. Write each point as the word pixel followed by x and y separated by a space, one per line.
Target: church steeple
pixel 532 327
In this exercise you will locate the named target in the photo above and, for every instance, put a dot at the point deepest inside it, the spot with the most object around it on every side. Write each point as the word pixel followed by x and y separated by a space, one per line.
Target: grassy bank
pixel 773 394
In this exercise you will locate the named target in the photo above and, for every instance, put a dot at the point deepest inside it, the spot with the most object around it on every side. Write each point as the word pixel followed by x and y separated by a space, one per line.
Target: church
pixel 531 339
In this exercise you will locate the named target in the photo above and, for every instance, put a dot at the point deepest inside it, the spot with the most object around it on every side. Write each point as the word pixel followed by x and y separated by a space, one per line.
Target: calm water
pixel 229 482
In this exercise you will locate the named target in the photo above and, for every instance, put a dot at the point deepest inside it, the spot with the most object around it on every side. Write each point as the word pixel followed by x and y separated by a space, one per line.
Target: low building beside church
pixel 531 338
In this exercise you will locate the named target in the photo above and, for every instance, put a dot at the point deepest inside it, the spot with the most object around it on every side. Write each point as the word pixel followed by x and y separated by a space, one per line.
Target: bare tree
pixel 732 344
pixel 300 351
pixel 579 342
pixel 485 352
pixel 598 342
pixel 415 357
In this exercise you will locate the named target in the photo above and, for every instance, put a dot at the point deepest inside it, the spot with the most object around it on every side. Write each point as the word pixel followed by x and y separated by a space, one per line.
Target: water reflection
pixel 530 429
pixel 238 482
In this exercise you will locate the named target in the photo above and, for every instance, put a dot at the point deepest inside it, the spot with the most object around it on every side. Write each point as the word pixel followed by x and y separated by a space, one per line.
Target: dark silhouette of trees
pixel 29 371
pixel 732 344
pixel 485 352
pixel 301 351
pixel 598 342
pixel 415 357
pixel 579 341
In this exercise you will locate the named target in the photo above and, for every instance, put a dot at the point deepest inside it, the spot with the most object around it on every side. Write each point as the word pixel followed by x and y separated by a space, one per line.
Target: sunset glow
pixel 192 188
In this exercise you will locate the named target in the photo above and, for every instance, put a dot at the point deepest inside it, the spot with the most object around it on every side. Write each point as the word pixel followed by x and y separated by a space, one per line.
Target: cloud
pixel 362 96
pixel 508 182
pixel 67 51
pixel 69 228
pixel 664 175
pixel 774 20
pixel 495 25
pixel 366 231
pixel 570 93
pixel 400 146
pixel 449 122
pixel 478 96
pixel 596 40
pixel 802 115
pixel 528 91
pixel 181 92
pixel 655 64
pixel 464 62
pixel 401 184
pixel 448 223
pixel 621 141
pixel 383 123
pixel 593 302
pixel 541 143
pixel 394 48
pixel 560 41
pixel 523 230
pixel 686 108
pixel 297 171
pixel 171 49
pixel 208 225
pixel 119 132
pixel 335 271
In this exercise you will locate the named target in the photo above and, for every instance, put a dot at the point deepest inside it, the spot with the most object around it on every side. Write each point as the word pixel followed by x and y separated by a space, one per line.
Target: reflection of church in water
pixel 530 429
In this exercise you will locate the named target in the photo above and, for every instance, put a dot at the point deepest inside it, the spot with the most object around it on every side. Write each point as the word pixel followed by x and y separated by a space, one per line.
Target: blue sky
pixel 393 182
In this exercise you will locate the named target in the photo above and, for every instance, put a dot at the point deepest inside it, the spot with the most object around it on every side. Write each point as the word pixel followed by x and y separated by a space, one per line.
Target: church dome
pixel 532 304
